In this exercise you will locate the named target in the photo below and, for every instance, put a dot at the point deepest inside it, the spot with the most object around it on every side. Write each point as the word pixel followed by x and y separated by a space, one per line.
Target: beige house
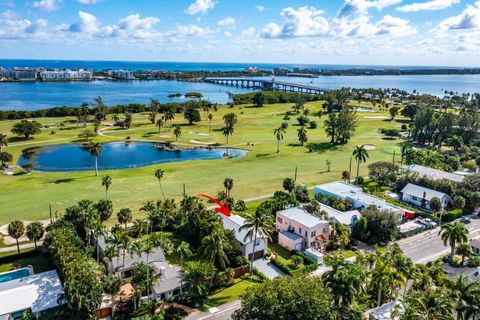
pixel 299 230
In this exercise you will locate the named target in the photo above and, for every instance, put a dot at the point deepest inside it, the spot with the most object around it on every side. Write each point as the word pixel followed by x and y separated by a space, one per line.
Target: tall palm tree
pixel 159 125
pixel 214 248
pixel 228 184
pixel 159 175
pixel 210 117
pixel 177 132
pixel 464 250
pixel 3 141
pixel 16 229
pixel 361 155
pixel 95 149
pixel 169 116
pixel 302 135
pixel 258 223
pixel 279 132
pixel 228 131
pixel 468 306
pixel 344 280
pixel 184 250
pixel 84 112
pixel 124 216
pixel 122 240
pixel 35 232
pixel 453 233
pixel 106 182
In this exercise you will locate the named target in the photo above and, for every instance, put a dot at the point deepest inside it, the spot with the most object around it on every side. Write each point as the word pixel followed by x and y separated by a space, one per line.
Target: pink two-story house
pixel 299 230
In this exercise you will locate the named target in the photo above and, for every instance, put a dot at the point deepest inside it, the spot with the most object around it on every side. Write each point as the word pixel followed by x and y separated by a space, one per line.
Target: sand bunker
pixel 202 142
pixel 199 133
pixel 369 146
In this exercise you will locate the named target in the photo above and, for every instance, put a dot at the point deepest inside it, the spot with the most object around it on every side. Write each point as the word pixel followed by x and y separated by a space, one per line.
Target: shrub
pixel 390 132
pixel 404 127
pixel 451 215
pixel 282 265
pixel 473 262
pixel 360 180
pixel 302 120
pixel 313 124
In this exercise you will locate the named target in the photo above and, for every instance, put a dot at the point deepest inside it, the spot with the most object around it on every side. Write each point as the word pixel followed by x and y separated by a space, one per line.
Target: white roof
pixel 339 216
pixel 475 243
pixel 39 291
pixel 354 193
pixel 422 192
pixel 434 174
pixel 301 216
pixel 234 223
pixel 384 312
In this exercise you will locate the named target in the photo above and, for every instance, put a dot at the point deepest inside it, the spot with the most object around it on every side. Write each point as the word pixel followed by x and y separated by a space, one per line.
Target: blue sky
pixel 388 32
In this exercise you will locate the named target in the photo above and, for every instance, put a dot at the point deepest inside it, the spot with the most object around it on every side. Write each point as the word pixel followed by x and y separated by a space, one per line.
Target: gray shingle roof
pixel 422 192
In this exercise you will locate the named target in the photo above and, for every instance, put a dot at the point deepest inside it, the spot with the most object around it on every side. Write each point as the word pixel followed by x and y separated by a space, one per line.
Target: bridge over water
pixel 266 85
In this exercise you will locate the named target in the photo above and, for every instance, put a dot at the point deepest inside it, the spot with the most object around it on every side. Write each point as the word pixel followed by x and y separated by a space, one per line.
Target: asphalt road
pixel 428 246
pixel 222 312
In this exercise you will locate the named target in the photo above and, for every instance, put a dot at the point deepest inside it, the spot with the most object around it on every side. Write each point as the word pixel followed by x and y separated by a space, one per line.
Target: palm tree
pixel 124 216
pixel 258 223
pixel 464 250
pixel 16 229
pixel 468 296
pixel 84 112
pixel 361 155
pixel 196 277
pixel 184 250
pixel 3 141
pixel 302 135
pixel 279 132
pixel 35 232
pixel 177 132
pixel 210 117
pixel 159 175
pixel 344 280
pixel 122 240
pixel 434 303
pixel 228 131
pixel 453 233
pixel 159 125
pixel 169 116
pixel 95 149
pixel 214 248
pixel 106 182
pixel 228 184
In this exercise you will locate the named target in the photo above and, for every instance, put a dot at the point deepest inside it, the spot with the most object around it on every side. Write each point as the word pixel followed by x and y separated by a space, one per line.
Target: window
pixel 299 230
pixel 257 243
pixel 313 233
pixel 306 233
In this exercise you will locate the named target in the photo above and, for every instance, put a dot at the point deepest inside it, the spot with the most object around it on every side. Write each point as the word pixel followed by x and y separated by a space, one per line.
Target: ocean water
pixel 38 95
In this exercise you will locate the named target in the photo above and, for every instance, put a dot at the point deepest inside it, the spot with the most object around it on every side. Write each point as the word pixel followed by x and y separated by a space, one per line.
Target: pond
pixel 117 155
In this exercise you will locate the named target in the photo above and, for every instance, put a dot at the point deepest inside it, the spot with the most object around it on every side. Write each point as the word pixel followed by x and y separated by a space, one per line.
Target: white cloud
pixel 88 23
pixel 260 8
pixel 227 22
pixel 303 22
pixel 190 30
pixel 227 34
pixel 249 32
pixel 200 6
pixel 13 26
pixel 428 5
pixel 468 19
pixel 47 5
pixel 88 1
pixel 352 7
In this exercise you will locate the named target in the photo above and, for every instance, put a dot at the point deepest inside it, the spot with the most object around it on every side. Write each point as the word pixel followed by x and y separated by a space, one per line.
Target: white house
pixel 245 244
pixel 421 196
pixel 355 195
pixel 22 291
pixel 434 174
pixel 299 230
pixel 475 244
pixel 169 284
pixel 347 218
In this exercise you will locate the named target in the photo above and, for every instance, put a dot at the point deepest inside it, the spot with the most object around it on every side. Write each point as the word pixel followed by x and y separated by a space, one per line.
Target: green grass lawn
pixel 261 172
pixel 344 253
pixel 281 251
pixel 228 294
pixel 37 259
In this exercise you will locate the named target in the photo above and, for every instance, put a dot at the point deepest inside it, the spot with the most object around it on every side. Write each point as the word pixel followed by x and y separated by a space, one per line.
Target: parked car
pixel 428 222
pixel 464 220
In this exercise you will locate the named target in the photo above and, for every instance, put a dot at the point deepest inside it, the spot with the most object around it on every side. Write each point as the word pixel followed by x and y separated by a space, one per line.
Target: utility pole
pixel 184 193
pixel 295 179
pixel 50 209
pixel 394 156
pixel 350 171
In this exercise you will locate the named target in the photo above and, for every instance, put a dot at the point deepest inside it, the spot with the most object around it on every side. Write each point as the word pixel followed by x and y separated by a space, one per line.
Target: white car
pixel 430 222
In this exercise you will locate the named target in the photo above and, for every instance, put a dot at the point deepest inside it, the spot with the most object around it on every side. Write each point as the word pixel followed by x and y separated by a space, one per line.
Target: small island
pixel 196 95
pixel 174 95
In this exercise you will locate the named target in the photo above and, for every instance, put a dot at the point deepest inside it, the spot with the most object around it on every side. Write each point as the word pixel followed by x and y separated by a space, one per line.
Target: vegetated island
pixel 196 95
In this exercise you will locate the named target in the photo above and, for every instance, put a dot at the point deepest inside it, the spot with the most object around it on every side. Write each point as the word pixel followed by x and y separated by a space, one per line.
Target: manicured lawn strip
pixel 346 254
pixel 261 172
pixel 39 260
pixel 281 251
pixel 228 294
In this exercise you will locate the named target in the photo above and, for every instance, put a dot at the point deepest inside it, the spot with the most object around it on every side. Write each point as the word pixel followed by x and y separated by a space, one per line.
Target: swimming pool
pixel 17 274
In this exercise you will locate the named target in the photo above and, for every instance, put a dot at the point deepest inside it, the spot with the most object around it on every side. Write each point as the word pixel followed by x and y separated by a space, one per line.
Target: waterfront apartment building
pixel 121 74
pixel 22 74
pixel 66 75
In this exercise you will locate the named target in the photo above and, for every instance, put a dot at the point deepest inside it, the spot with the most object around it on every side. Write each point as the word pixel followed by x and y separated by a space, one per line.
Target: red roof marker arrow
pixel 223 209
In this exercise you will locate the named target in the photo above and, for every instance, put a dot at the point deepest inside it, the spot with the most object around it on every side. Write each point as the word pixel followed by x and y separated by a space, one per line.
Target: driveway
pixel 222 312
pixel 268 269
pixel 428 246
